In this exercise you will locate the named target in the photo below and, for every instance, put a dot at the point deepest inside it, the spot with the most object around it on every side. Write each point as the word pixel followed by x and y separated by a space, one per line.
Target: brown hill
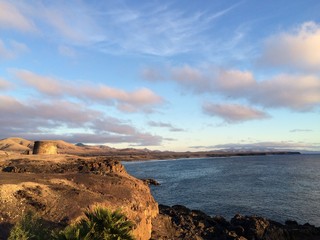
pixel 20 145
pixel 15 145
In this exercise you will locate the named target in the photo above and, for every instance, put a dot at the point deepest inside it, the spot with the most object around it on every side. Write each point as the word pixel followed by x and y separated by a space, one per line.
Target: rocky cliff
pixel 60 187
pixel 179 222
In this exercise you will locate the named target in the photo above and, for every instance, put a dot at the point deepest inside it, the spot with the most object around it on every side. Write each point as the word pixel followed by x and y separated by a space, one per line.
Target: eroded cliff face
pixel 60 188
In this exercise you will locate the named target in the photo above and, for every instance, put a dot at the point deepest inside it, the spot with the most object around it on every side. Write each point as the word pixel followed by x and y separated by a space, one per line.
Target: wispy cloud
pixel 263 146
pixel 152 28
pixel 67 51
pixel 157 30
pixel 11 50
pixel 40 120
pixel 300 130
pixel 165 125
pixel 4 84
pixel 298 49
pixel 12 17
pixel 142 99
pixel 233 113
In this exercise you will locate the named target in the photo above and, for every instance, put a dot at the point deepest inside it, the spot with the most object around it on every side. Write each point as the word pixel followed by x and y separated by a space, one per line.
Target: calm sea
pixel 276 187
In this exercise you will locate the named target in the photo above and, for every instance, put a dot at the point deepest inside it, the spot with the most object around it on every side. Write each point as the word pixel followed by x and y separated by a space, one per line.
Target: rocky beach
pixel 58 187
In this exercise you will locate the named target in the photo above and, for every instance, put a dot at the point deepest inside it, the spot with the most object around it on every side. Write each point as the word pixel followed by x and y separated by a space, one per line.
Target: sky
pixel 167 75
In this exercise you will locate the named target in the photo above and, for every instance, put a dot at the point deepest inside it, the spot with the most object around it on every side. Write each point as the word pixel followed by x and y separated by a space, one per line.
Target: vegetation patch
pixel 98 224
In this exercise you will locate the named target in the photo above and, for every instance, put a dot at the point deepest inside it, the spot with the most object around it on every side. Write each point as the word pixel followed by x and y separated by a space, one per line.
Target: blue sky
pixel 167 75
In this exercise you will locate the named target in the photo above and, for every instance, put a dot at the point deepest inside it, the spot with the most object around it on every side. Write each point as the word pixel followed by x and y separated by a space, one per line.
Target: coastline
pixel 30 181
pixel 180 222
pixel 171 156
pixel 260 185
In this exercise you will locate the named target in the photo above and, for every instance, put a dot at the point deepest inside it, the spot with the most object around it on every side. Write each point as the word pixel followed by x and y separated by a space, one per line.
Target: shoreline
pixel 275 216
pixel 176 222
pixel 184 223
pixel 202 155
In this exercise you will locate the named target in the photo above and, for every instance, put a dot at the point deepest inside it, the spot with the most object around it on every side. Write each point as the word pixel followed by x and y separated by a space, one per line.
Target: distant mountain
pixel 80 145
pixel 20 145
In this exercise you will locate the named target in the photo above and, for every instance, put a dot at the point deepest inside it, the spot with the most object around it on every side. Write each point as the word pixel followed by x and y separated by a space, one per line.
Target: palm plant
pixel 99 224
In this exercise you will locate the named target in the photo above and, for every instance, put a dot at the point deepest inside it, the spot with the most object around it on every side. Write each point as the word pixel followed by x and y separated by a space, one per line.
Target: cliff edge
pixel 60 187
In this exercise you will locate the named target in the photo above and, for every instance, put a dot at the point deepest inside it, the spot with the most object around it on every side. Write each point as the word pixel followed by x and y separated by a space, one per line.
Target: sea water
pixel 279 187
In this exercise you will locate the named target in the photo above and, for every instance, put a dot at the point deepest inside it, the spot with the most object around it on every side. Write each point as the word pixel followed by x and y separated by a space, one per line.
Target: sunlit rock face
pixel 45 147
pixel 60 188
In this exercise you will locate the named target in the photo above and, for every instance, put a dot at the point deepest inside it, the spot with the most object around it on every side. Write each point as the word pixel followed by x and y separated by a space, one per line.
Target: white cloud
pixel 296 92
pixel 142 99
pixel 204 79
pixel 233 113
pixel 234 82
pixel 298 49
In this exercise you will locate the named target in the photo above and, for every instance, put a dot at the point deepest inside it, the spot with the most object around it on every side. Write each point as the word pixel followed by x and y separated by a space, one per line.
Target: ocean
pixel 279 187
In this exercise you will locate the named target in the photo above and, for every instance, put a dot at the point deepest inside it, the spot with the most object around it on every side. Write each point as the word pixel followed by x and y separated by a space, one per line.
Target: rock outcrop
pixel 45 147
pixel 59 188
pixel 150 181
pixel 179 222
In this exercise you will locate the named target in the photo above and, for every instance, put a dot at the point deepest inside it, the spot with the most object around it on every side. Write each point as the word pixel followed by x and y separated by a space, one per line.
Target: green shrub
pixel 29 227
pixel 99 224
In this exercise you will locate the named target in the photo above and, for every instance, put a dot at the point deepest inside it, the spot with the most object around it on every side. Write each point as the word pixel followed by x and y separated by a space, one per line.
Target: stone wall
pixel 44 147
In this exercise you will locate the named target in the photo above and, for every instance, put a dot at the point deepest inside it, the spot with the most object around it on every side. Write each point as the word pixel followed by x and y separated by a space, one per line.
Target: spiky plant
pixel 99 224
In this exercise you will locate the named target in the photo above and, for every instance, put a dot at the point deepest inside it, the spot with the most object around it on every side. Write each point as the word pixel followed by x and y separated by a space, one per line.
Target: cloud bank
pixel 143 99
pixel 49 119
pixel 297 90
pixel 262 146
pixel 233 113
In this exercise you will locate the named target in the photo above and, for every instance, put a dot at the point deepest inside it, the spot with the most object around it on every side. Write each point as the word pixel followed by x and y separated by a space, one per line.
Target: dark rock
pixel 291 223
pixel 150 181
pixel 194 224
pixel 9 169
pixel 254 227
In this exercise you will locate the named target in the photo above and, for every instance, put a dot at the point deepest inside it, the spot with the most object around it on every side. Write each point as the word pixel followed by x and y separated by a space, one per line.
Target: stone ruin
pixel 44 147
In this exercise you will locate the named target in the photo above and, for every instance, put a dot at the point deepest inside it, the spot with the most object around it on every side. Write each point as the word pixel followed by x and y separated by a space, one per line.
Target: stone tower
pixel 44 147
